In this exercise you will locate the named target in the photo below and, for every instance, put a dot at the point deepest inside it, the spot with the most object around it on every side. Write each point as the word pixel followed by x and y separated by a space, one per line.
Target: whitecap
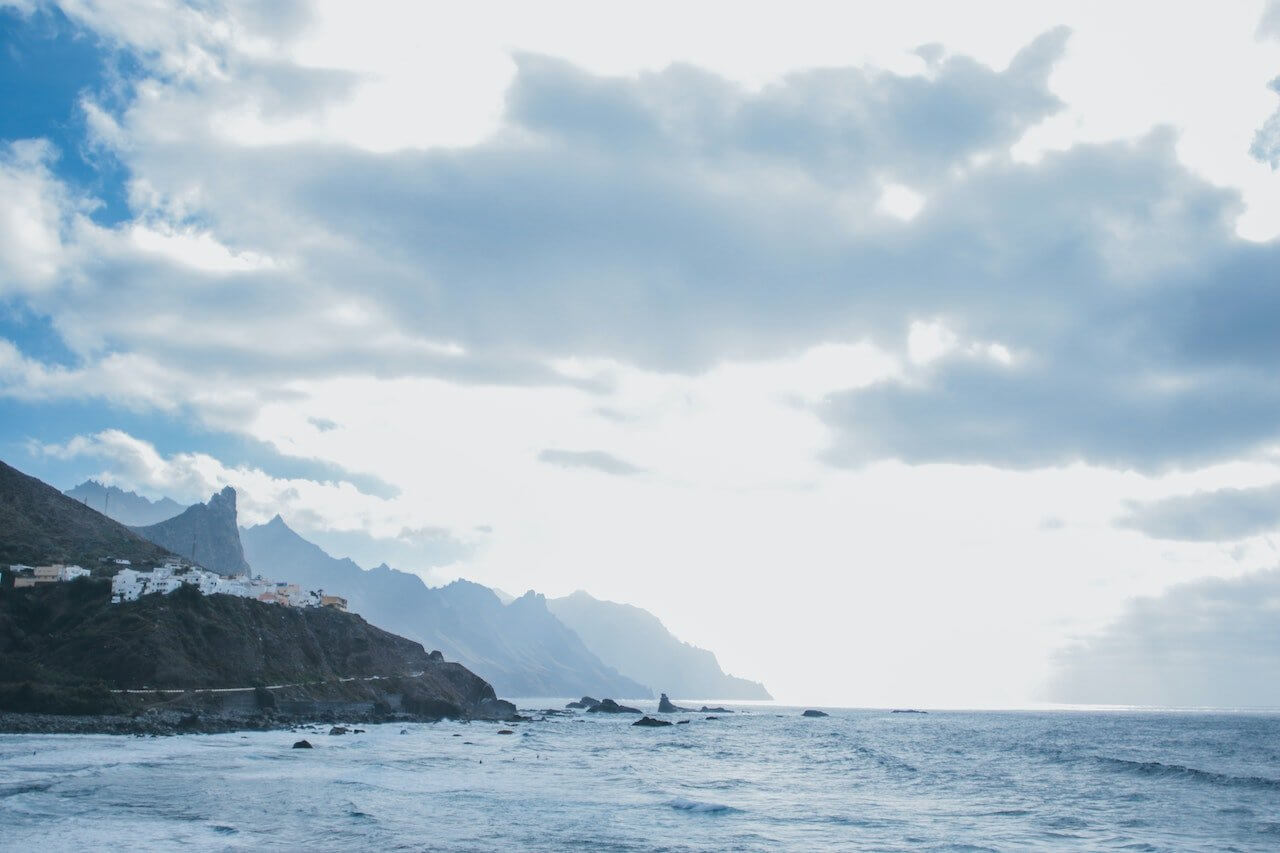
pixel 687 805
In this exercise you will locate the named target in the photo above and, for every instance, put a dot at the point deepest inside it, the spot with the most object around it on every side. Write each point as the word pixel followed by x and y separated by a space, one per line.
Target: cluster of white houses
pixel 32 575
pixel 130 584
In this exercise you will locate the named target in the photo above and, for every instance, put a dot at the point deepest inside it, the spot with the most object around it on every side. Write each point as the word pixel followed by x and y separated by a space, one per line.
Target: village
pixel 130 584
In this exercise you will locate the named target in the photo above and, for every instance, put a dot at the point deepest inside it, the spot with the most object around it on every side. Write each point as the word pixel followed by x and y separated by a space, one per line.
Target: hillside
pixel 521 648
pixel 205 533
pixel 636 642
pixel 39 524
pixel 69 635
pixel 128 508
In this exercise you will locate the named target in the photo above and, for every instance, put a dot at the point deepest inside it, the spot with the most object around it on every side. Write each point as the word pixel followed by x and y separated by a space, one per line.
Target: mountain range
pixel 519 648
pixel 524 645
pixel 637 643
pixel 128 508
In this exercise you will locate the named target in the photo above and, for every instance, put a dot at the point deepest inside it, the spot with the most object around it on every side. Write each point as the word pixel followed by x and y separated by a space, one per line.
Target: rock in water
pixel 303 744
pixel 505 732
pixel 338 730
pixel 585 702
pixel 608 706
pixel 704 709
pixel 665 706
pixel 682 722
pixel 650 721
pixel 813 713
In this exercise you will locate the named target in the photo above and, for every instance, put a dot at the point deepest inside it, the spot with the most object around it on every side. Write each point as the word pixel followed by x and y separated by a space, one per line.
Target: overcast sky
pixel 917 356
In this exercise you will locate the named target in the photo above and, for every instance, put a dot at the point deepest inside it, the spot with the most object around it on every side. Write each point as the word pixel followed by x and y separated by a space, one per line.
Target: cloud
pixel 1210 516
pixel 1209 643
pixel 1266 142
pixel 595 459
pixel 335 504
pixel 1099 304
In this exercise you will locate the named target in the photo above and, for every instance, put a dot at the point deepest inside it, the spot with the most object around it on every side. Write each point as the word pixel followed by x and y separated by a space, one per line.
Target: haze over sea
pixel 763 778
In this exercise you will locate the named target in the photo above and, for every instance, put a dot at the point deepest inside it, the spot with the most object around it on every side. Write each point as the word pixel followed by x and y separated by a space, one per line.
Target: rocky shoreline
pixel 158 722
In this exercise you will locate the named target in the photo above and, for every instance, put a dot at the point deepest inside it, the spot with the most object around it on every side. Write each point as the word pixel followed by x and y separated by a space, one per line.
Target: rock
pixel 436 655
pixel 813 713
pixel 608 706
pixel 704 709
pixel 404 731
pixel 908 711
pixel 585 702
pixel 713 718
pixel 650 721
pixel 303 744
pixel 682 722
pixel 505 732
pixel 338 730
pixel 665 706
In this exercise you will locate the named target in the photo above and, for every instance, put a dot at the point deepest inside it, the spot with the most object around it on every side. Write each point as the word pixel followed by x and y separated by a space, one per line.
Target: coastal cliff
pixel 65 649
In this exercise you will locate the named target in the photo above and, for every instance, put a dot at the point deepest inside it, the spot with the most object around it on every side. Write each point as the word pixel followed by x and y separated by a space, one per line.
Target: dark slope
pixel 67 636
pixel 39 524
pixel 207 534
pixel 636 642
pixel 125 507
pixel 523 650
pixel 71 632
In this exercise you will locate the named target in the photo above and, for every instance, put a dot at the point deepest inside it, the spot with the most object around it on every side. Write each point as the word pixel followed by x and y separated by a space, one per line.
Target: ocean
pixel 763 778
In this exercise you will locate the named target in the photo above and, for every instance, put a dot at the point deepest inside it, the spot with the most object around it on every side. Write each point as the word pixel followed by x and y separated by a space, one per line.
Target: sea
pixel 762 778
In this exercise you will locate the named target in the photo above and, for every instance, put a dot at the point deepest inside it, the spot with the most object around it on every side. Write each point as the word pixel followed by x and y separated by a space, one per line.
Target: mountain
pixel 128 508
pixel 521 648
pixel 66 643
pixel 206 534
pixel 39 524
pixel 637 643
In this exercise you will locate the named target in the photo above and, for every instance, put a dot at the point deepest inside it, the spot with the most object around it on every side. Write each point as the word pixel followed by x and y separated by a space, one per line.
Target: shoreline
pixel 157 722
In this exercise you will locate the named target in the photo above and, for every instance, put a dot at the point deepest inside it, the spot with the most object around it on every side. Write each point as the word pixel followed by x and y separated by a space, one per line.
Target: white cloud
pixel 686 272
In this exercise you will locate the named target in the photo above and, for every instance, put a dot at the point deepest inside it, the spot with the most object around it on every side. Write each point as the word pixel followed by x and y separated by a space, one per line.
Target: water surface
pixel 760 779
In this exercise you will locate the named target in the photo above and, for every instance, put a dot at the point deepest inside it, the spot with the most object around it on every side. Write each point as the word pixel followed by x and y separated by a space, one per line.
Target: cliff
pixel 69 637
pixel 206 534
pixel 637 643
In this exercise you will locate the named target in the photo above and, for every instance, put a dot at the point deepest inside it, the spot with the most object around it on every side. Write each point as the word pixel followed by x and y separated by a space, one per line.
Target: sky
pixel 922 355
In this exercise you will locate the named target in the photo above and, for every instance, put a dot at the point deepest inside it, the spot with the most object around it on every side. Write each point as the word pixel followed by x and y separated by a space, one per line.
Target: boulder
pixel 585 702
pixel 303 744
pixel 608 706
pixel 665 706
pixel 704 709
pixel 505 732
pixel 682 722
pixel 338 730
pixel 650 721
pixel 813 713
pixel 436 655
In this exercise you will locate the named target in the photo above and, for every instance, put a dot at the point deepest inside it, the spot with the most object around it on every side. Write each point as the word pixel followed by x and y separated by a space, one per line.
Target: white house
pixel 130 585
pixel 70 573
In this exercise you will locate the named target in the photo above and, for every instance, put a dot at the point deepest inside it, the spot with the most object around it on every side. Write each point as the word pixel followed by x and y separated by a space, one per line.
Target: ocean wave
pixel 687 805
pixel 15 789
pixel 1158 769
